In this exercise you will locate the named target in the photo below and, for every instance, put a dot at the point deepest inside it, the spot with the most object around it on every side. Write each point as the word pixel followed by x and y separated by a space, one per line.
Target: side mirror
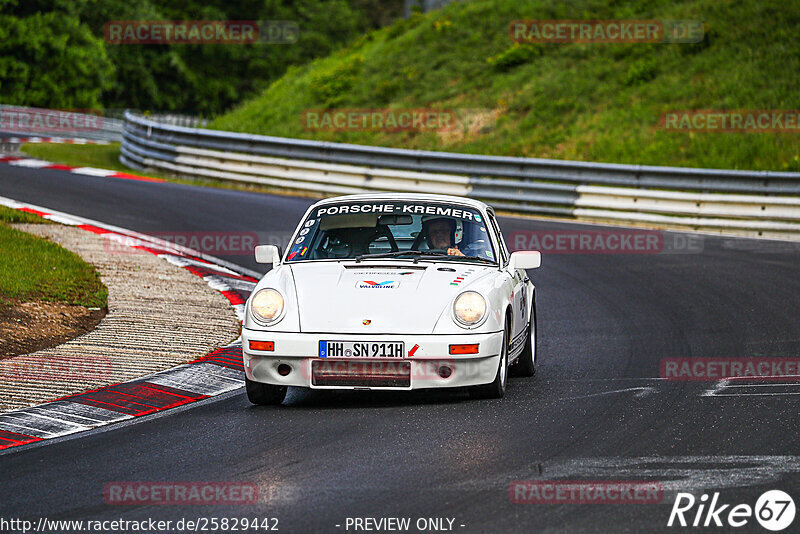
pixel 525 259
pixel 268 254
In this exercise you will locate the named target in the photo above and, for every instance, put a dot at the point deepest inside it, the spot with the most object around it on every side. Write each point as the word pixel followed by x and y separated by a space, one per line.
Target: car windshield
pixel 391 229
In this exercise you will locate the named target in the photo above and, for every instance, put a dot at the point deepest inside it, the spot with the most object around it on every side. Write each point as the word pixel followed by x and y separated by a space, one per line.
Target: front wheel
pixel 526 363
pixel 264 394
pixel 497 388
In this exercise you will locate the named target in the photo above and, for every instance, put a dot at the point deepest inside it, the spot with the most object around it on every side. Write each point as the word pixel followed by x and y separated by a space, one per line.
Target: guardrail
pixel 29 122
pixel 176 119
pixel 760 203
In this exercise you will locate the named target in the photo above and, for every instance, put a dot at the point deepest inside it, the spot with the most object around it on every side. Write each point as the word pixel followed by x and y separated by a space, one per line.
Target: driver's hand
pixel 454 252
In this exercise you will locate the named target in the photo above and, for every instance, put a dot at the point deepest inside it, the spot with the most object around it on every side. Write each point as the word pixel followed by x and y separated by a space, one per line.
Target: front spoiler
pixel 298 350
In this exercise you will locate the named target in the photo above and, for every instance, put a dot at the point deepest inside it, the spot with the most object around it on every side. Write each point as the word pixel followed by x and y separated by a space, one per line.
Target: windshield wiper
pixel 394 254
pixel 419 255
pixel 442 255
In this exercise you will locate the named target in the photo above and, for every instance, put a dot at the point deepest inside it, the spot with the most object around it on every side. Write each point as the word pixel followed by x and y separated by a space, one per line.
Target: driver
pixel 441 235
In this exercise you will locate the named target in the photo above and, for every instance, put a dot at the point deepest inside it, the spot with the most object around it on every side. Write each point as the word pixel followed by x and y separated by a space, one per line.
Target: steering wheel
pixel 475 247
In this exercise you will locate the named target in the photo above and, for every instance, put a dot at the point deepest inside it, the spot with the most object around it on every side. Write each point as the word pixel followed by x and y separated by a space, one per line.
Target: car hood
pixel 378 299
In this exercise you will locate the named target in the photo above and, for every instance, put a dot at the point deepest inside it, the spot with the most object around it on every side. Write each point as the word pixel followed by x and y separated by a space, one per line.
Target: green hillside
pixel 593 102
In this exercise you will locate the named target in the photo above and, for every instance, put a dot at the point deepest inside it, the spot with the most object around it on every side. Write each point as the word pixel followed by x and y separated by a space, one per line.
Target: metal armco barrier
pixel 757 203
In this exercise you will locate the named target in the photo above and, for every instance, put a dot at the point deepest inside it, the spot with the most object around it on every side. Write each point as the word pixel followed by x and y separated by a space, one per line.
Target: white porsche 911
pixel 391 292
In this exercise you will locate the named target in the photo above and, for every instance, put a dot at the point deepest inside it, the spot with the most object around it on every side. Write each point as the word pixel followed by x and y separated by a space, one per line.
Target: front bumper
pixel 298 351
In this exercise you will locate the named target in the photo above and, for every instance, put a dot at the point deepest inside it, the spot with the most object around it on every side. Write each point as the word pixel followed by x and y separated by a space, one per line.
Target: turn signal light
pixel 464 349
pixel 262 345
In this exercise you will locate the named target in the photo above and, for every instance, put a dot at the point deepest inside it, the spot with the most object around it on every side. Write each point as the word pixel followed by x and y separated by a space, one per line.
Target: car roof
pixel 421 197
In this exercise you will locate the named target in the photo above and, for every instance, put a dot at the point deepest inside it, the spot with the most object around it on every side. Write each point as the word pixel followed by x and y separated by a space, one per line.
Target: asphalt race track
pixel 597 409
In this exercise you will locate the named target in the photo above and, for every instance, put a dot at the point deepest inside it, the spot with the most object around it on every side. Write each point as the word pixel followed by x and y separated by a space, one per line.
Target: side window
pixel 504 255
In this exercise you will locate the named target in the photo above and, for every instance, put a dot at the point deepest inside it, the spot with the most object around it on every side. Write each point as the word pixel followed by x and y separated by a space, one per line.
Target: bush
pixel 330 88
pixel 53 52
pixel 642 70
pixel 517 54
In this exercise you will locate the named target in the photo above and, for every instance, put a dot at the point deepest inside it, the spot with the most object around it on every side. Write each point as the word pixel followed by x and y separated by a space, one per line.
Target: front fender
pixel 496 289
pixel 280 278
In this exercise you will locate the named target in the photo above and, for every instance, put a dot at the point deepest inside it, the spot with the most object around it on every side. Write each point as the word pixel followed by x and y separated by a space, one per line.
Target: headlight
pixel 469 308
pixel 267 305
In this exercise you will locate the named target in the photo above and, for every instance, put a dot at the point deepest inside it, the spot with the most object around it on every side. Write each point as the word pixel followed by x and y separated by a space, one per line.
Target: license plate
pixel 362 349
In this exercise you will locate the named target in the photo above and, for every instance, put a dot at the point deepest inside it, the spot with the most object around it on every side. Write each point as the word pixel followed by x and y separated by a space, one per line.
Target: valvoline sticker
pixel 371 284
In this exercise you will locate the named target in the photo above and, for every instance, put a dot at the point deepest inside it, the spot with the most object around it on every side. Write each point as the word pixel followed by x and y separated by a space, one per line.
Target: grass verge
pixel 8 215
pixel 100 156
pixel 32 268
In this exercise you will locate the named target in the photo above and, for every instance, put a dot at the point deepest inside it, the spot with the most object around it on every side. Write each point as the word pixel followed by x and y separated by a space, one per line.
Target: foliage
pixel 53 53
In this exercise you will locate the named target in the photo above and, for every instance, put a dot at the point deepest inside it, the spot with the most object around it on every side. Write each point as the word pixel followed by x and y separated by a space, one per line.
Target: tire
pixel 526 363
pixel 264 394
pixel 497 388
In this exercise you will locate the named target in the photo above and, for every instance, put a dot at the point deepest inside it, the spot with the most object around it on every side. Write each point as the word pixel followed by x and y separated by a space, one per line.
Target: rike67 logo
pixel 774 510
